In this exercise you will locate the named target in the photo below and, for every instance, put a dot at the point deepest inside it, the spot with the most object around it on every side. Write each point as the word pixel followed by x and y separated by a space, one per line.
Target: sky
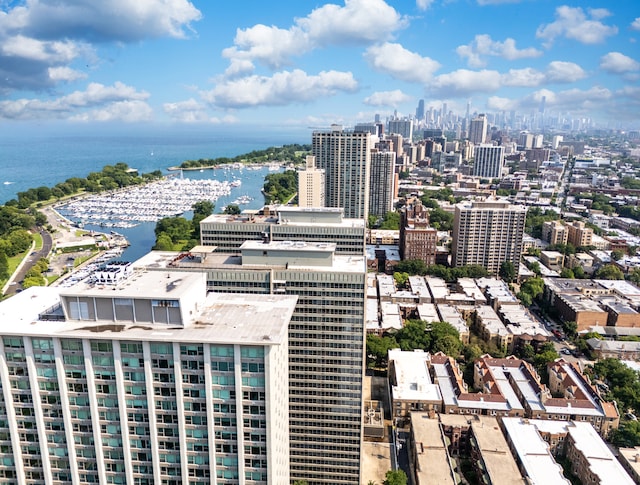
pixel 308 63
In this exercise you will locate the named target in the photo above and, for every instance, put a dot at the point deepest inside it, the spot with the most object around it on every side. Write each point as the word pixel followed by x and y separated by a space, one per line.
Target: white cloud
pixel 64 73
pixel 108 20
pixel 618 63
pixel 401 63
pixel 424 4
pixel 238 68
pixel 192 111
pixel 573 23
pixel 357 22
pixel 130 111
pixel 269 45
pixel 501 104
pixel 564 72
pixel 387 98
pixel 528 77
pixel 282 88
pixel 464 82
pixel 483 46
pixel 106 103
pixel 635 25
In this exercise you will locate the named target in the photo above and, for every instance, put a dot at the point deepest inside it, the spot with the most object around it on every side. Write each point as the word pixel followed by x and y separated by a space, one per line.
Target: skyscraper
pixel 382 182
pixel 418 240
pixel 420 110
pixel 488 233
pixel 144 380
pixel 402 127
pixel 311 185
pixel 326 342
pixel 478 130
pixel 346 159
pixel 488 161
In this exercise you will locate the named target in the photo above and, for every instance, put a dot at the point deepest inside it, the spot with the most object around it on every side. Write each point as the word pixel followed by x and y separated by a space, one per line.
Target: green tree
pixel 203 208
pixel 567 273
pixel 413 335
pixel 4 266
pixel 627 435
pixel 609 272
pixel 177 228
pixel 570 328
pixel 508 271
pixel 391 221
pixel 617 254
pixel 401 278
pixel 447 344
pixel 232 209
pixel 412 267
pixel 395 477
pixel 163 242
pixel 378 349
pixel 634 276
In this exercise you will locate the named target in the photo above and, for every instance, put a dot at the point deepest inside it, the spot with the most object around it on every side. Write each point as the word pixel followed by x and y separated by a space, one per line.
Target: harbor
pixel 131 206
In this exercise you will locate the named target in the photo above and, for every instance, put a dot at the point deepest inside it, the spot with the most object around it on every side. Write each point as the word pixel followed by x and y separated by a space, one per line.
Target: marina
pixel 131 206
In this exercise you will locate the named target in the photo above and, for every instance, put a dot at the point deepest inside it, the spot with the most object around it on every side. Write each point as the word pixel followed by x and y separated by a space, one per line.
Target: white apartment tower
pixel 488 161
pixel 345 157
pixel 478 130
pixel 144 380
pixel 382 182
pixel 311 182
pixel 326 342
pixel 488 233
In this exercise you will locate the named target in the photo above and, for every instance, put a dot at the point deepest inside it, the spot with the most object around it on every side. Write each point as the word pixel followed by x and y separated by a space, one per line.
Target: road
pixel 29 262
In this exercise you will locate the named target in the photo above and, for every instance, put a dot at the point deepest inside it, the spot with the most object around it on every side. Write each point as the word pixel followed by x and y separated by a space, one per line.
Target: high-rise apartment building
pixel 478 130
pixel 402 127
pixel 488 161
pixel 382 182
pixel 144 379
pixel 346 159
pixel 487 233
pixel 311 185
pixel 326 342
pixel 418 240
pixel 225 233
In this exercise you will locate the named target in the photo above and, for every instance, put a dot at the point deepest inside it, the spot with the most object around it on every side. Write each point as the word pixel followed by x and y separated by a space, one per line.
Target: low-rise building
pixel 429 460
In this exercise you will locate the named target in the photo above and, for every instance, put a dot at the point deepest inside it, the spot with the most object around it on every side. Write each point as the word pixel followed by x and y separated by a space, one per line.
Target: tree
pixel 617 254
pixel 163 242
pixel 395 477
pixel 391 221
pixel 4 266
pixel 401 279
pixel 203 208
pixel 232 209
pixel 413 336
pixel 447 344
pixel 567 273
pixel 570 328
pixel 508 271
pixel 412 267
pixel 378 349
pixel 634 276
pixel 176 228
pixel 609 272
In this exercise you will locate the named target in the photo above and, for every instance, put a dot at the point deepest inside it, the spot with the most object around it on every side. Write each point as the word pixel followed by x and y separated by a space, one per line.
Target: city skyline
pixel 301 64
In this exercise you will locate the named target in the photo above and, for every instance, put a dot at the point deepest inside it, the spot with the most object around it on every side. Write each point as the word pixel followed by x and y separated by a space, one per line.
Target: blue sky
pixel 308 63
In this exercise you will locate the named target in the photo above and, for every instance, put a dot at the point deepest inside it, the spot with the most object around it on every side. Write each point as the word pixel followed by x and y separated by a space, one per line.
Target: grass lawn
pixel 38 240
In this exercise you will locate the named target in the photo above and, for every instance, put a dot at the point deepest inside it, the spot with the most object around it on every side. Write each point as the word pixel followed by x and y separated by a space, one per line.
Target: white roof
pixel 412 376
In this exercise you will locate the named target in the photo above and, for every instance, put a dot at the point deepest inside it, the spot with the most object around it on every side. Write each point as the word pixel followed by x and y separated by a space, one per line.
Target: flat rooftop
pixel 496 455
pixel 161 260
pixel 434 467
pixel 225 318
pixel 412 376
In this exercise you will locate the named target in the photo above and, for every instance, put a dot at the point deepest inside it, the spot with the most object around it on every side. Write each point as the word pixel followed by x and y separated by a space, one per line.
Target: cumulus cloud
pixel 564 72
pixel 40 39
pixel 387 98
pixel 401 63
pixel 635 25
pixel 64 73
pixel 483 46
pixel 574 23
pixel 588 101
pixel 192 111
pixel 106 20
pixel 282 88
pixel 130 111
pixel 618 63
pixel 464 82
pixel 98 102
pixel 357 22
